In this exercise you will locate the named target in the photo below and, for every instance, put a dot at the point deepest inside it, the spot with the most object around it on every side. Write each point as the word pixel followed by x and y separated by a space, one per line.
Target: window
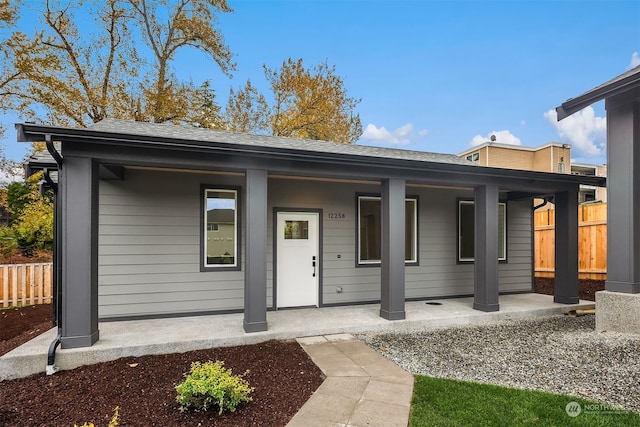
pixel 370 230
pixel 296 230
pixel 475 157
pixel 220 228
pixel 466 231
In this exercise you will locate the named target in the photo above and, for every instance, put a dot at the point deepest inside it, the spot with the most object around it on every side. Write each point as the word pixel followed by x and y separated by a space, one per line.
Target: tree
pixel 80 79
pixel 31 225
pixel 307 103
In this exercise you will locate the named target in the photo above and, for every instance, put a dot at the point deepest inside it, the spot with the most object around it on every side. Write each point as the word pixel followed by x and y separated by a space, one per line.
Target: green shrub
pixel 8 241
pixel 210 385
pixel 112 423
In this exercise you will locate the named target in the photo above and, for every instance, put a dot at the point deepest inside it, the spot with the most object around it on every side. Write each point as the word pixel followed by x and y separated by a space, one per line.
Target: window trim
pixel 204 188
pixel 416 245
pixel 461 260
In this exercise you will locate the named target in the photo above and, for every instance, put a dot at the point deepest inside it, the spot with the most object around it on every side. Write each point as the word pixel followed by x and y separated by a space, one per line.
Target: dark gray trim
pixel 623 208
pixel 255 272
pixel 533 247
pixel 79 234
pixel 358 263
pixel 171 315
pixel 239 213
pixel 392 268
pixel 320 270
pixel 124 148
pixel 623 83
pixel 485 286
pixel 566 250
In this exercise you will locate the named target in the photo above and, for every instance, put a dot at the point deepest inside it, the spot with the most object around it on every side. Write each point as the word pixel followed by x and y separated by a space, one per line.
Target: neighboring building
pixel 302 223
pixel 590 193
pixel 552 157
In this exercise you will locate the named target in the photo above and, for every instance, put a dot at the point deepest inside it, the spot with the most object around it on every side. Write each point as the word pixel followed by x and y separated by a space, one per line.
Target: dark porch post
pixel 255 269
pixel 566 276
pixel 485 288
pixel 79 241
pixel 623 193
pixel 393 235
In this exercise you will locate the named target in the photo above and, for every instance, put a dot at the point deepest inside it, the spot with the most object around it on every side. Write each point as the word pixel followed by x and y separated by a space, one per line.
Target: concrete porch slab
pixel 170 335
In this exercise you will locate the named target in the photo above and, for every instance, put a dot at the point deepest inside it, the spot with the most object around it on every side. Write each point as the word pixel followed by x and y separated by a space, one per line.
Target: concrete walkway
pixel 362 388
pixel 170 335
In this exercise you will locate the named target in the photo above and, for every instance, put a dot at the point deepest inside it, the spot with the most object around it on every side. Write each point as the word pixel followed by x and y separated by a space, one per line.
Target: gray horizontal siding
pixel 149 237
pixel 438 273
pixel 149 247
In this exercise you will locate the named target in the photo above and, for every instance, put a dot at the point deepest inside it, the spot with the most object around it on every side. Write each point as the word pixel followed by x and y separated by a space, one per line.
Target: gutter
pixel 57 289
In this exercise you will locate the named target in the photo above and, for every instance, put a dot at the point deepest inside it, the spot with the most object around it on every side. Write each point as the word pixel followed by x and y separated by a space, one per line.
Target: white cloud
pixel 401 136
pixel 635 60
pixel 584 130
pixel 502 137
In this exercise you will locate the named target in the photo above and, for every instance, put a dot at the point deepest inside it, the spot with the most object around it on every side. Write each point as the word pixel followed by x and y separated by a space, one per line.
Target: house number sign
pixel 336 215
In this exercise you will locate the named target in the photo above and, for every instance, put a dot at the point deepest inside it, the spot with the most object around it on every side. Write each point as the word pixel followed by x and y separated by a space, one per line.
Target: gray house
pixel 298 222
pixel 618 307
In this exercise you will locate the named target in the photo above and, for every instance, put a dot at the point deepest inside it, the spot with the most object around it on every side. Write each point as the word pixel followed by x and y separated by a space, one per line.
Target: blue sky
pixel 435 75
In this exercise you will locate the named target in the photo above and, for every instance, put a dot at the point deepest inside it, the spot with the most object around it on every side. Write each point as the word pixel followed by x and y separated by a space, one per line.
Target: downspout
pixel 57 289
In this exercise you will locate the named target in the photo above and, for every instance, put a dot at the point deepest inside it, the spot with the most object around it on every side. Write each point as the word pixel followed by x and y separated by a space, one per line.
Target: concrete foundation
pixel 617 312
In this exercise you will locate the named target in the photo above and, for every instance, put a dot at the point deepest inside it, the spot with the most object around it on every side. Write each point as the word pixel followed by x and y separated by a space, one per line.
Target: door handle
pixel 313 264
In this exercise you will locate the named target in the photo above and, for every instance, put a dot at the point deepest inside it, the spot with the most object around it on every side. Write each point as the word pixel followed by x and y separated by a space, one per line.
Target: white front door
pixel 297 263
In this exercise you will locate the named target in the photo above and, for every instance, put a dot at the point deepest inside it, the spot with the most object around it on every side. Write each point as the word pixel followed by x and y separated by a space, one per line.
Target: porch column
pixel 623 194
pixel 485 285
pixel 392 263
pixel 565 289
pixel 255 243
pixel 79 244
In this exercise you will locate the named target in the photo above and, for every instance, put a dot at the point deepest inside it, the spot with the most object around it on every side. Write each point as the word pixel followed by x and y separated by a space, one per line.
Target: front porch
pixel 169 335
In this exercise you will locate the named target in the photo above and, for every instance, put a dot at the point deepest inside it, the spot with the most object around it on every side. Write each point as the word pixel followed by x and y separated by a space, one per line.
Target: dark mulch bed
pixel 19 325
pixel 586 288
pixel 143 387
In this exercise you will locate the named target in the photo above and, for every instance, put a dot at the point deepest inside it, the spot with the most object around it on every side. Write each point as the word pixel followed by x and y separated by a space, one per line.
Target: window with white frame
pixel 475 157
pixel 370 230
pixel 466 231
pixel 220 240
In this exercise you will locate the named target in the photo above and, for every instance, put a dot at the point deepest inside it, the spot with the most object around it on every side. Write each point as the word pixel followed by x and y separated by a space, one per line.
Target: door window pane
pixel 221 239
pixel 296 230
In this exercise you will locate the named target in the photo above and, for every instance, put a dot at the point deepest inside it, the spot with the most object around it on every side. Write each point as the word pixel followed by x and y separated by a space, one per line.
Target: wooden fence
pixel 25 284
pixel 592 242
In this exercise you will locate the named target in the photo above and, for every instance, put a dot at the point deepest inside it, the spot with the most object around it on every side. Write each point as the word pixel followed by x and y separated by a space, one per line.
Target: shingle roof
pixel 216 136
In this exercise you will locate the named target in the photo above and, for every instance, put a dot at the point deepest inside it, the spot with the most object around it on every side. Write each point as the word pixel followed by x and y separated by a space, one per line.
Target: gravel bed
pixel 559 354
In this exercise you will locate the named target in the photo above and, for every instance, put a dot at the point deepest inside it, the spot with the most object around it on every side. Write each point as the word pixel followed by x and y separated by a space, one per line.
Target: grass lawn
pixel 443 402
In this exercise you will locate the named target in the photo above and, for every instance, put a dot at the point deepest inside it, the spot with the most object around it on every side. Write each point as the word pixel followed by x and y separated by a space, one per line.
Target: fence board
pixel 5 285
pixel 592 242
pixel 24 284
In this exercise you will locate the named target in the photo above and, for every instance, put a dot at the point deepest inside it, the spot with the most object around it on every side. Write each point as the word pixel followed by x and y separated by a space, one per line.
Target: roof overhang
pixel 371 165
pixel 616 86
